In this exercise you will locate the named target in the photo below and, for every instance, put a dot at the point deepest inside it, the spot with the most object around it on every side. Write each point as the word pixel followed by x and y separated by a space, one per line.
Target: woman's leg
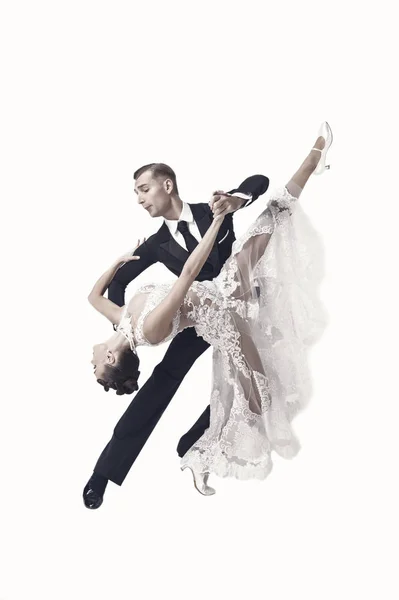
pixel 246 261
pixel 255 247
pixel 299 180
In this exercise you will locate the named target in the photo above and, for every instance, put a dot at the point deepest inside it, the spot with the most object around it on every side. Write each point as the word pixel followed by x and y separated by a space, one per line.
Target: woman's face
pixel 101 357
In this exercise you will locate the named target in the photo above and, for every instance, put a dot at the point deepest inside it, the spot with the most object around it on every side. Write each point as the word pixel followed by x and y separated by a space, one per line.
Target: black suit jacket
pixel 162 247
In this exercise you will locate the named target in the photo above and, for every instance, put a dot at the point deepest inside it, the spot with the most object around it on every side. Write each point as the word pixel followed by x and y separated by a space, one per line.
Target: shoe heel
pixel 203 489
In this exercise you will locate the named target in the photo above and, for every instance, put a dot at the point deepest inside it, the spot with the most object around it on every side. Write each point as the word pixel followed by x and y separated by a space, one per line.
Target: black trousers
pixel 137 423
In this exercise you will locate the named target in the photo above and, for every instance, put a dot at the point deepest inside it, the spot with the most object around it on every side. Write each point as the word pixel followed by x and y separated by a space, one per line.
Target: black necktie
pixel 190 240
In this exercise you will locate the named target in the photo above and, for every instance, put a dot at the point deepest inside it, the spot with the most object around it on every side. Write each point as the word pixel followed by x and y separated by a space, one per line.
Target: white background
pixel 220 91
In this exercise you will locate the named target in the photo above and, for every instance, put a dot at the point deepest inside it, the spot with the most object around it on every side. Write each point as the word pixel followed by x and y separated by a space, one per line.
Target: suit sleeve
pixel 253 186
pixel 129 271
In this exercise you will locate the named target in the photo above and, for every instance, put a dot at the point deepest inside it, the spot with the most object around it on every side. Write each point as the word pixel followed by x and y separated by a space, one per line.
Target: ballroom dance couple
pixel 254 299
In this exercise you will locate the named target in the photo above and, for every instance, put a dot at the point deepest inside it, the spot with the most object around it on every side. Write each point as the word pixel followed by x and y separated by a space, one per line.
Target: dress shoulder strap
pixel 125 328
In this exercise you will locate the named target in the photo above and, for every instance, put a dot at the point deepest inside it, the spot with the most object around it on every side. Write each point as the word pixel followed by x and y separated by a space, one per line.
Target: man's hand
pixel 222 203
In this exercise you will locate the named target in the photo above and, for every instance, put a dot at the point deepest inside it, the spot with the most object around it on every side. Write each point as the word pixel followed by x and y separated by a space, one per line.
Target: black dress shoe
pixel 92 497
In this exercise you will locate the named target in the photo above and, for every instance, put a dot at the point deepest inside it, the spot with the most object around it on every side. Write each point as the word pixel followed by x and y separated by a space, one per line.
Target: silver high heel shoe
pixel 326 133
pixel 200 482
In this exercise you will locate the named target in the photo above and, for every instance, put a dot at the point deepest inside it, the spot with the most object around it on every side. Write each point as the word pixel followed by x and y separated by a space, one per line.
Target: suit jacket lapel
pixel 175 250
pixel 203 218
pixel 169 244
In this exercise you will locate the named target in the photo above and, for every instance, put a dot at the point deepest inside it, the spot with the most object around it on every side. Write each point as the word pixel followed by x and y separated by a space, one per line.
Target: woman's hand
pixel 129 256
pixel 223 203
pixel 96 296
pixel 218 219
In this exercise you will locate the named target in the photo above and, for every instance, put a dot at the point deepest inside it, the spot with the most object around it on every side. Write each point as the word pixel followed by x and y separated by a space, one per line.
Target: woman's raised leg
pixel 300 178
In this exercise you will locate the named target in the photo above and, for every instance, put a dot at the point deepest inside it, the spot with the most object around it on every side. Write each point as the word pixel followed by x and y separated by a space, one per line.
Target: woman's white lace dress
pixel 261 314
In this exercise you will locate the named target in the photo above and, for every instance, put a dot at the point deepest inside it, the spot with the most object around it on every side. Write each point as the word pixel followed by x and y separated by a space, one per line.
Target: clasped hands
pixel 223 203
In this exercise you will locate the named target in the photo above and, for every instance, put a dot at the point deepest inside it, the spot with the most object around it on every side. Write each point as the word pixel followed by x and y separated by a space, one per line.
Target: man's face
pixel 152 194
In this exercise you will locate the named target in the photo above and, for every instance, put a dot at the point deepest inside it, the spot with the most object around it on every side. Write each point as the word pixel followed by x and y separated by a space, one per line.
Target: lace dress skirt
pixel 261 314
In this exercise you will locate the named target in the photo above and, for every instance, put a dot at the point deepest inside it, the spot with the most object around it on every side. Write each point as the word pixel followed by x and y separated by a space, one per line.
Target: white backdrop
pixel 220 91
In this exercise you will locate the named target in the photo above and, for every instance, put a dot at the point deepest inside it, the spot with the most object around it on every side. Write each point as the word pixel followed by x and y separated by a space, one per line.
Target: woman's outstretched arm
pixel 109 309
pixel 158 323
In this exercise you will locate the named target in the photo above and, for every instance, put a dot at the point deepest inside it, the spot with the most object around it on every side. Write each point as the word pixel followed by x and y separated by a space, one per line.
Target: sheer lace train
pixel 261 314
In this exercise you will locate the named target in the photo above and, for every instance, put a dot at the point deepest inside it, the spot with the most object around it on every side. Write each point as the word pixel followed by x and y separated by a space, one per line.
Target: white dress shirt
pixel 187 215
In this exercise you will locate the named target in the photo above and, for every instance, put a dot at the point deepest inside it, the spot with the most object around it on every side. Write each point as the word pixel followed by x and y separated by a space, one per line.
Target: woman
pixel 260 314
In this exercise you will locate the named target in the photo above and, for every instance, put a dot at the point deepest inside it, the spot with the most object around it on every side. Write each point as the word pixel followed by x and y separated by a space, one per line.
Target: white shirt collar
pixel 185 215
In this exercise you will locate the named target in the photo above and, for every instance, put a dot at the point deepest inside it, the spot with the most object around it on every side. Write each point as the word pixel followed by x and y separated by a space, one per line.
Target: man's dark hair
pixel 158 170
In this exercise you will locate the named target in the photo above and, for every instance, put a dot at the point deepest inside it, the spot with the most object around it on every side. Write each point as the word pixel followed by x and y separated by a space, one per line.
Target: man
pixel 184 225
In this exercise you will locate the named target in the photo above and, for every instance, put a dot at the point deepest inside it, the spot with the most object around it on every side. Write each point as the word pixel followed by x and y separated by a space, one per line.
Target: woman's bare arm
pixel 158 323
pixel 109 309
